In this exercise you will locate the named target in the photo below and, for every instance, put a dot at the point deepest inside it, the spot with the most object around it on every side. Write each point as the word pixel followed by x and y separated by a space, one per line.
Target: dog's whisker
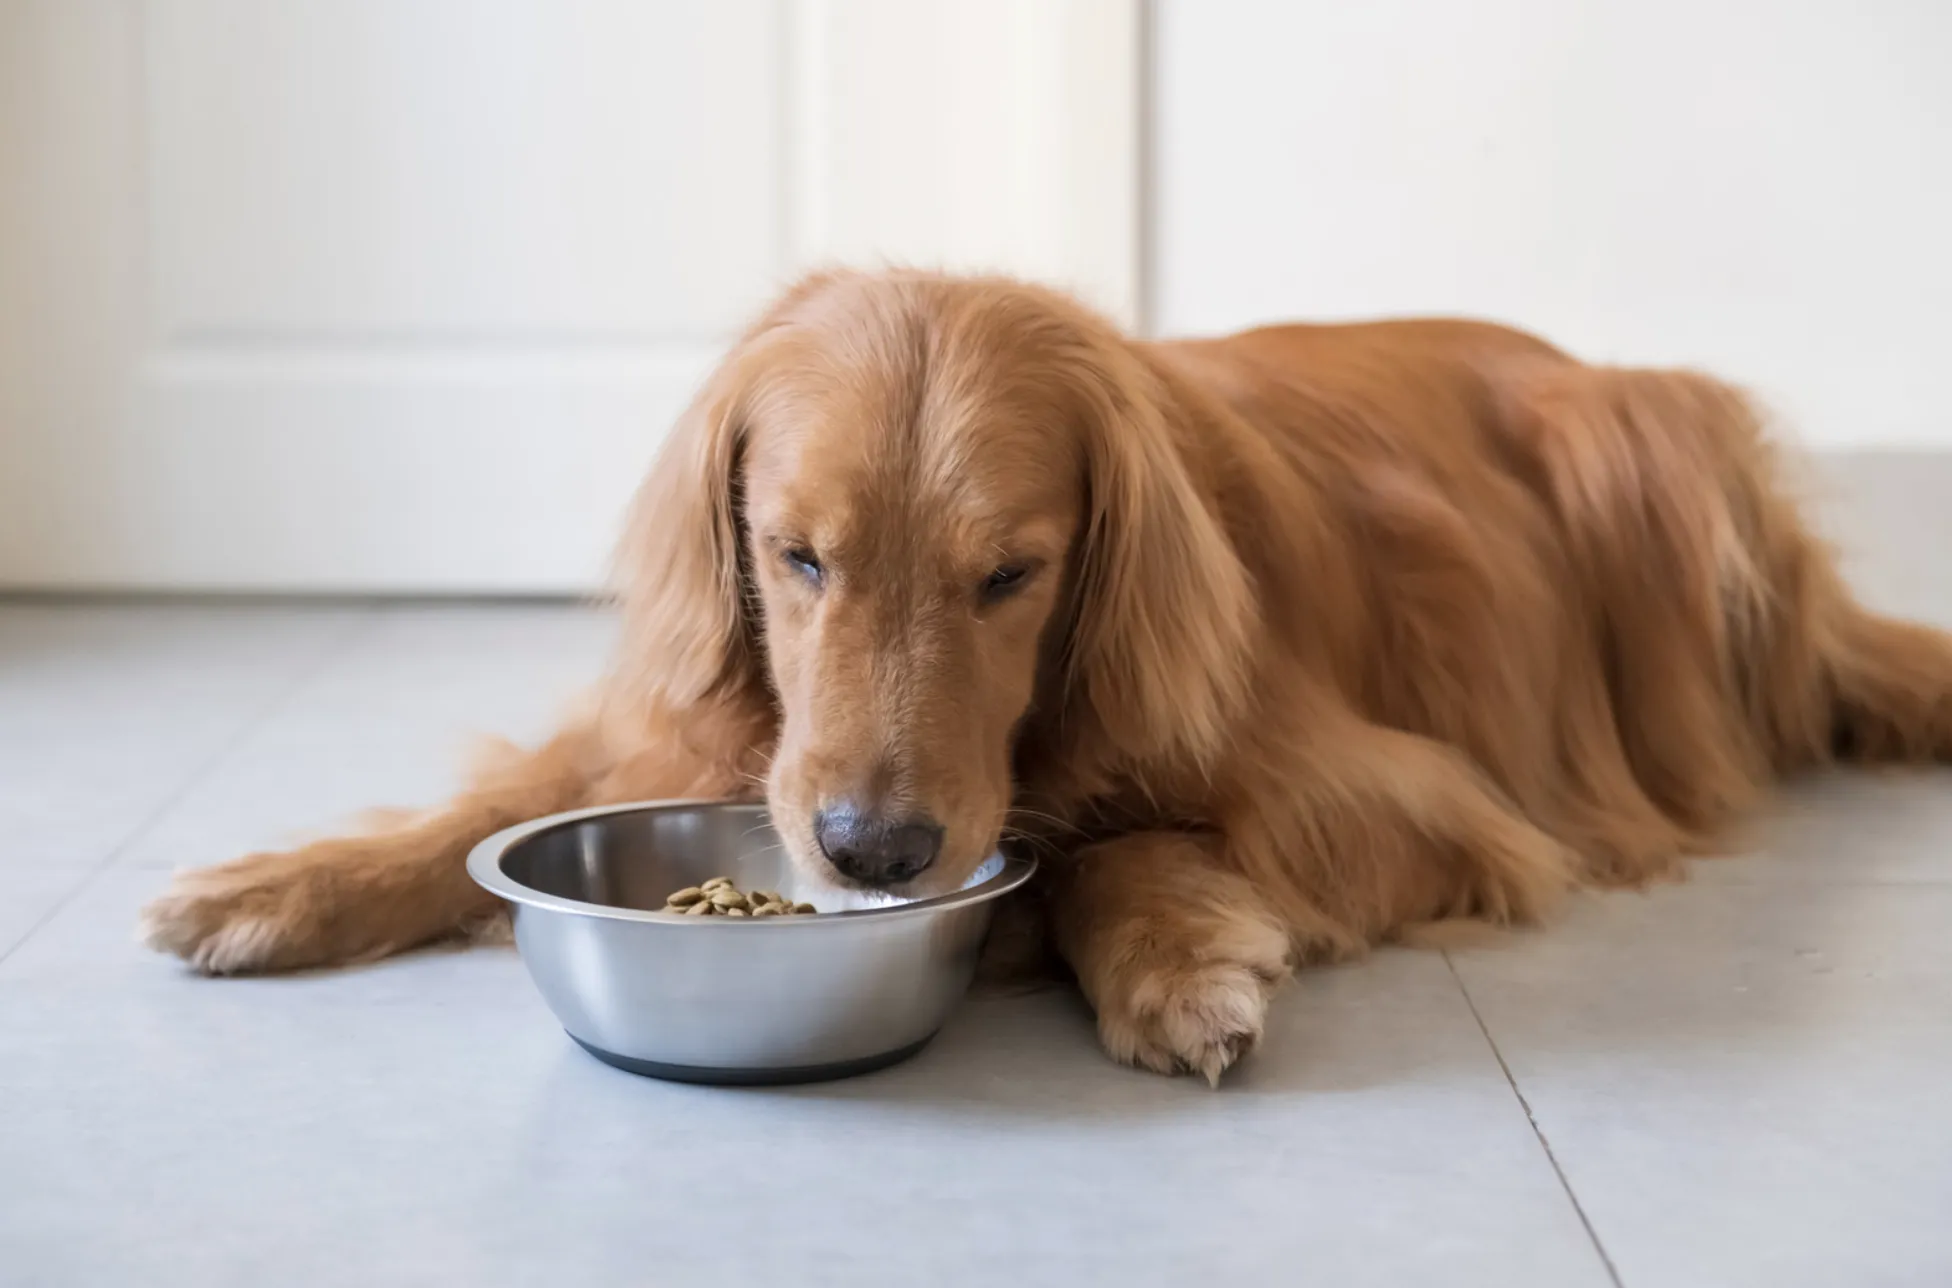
pixel 1042 844
pixel 1040 816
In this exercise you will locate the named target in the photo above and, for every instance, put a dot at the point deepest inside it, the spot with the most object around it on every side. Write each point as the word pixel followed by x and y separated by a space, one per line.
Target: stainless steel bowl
pixel 730 1000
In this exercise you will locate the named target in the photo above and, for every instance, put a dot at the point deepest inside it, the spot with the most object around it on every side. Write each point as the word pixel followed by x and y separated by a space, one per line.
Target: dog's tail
pixel 1733 649
pixel 1892 689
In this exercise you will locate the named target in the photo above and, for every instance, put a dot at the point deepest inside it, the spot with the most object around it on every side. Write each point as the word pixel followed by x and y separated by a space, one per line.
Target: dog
pixel 1276 646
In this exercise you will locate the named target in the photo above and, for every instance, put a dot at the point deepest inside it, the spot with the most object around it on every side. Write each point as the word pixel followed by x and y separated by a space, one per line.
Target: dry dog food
pixel 720 898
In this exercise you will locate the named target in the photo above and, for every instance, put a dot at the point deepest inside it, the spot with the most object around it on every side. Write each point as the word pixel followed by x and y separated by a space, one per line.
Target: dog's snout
pixel 870 846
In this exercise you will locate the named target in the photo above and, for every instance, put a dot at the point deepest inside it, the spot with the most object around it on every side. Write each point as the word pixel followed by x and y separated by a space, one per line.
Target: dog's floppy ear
pixel 685 631
pixel 689 632
pixel 1164 609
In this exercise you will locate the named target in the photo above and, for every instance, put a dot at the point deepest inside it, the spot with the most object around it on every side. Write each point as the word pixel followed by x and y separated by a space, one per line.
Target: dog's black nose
pixel 869 846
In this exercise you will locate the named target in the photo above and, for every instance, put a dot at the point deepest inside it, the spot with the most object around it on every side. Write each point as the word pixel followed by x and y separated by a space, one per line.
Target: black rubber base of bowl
pixel 740 1077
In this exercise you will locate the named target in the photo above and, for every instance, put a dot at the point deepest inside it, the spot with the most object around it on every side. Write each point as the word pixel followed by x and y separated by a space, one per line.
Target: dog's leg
pixel 1378 829
pixel 1178 939
pixel 358 897
pixel 355 898
pixel 1177 955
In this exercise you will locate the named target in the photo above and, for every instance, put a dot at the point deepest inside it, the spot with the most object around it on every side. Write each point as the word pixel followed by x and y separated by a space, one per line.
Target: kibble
pixel 718 897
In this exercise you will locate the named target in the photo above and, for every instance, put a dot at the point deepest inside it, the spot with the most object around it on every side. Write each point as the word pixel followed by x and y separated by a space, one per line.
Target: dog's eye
pixel 803 561
pixel 1003 583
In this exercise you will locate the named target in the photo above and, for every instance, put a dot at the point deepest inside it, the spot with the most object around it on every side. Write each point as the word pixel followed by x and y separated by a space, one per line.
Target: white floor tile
pixel 29 892
pixel 107 712
pixel 1745 1085
pixel 389 722
pixel 1742 1077
pixel 1847 827
pixel 425 1120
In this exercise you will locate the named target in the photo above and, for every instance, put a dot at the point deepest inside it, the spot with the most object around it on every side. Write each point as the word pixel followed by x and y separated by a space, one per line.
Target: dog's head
pixel 916 511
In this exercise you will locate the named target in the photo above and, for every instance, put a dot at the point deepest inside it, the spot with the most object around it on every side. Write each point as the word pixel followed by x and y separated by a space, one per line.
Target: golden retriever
pixel 1277 645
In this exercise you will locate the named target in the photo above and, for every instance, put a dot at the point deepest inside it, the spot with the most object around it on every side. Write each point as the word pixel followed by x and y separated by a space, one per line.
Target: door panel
pixel 444 170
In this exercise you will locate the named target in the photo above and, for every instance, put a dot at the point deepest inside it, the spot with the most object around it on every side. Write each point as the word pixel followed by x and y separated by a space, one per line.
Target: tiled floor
pixel 1741 1080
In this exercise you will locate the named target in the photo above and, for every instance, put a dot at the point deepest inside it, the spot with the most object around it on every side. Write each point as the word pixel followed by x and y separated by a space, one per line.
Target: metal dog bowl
pixel 728 1000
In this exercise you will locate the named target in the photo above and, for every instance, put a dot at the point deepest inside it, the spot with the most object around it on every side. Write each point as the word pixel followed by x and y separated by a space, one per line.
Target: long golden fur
pixel 1310 635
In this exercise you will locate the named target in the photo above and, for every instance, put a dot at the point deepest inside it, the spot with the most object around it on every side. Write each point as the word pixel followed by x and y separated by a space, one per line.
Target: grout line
pixel 365 624
pixel 1612 1272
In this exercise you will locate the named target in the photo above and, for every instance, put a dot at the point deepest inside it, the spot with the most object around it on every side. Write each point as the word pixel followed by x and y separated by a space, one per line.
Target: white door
pixel 398 295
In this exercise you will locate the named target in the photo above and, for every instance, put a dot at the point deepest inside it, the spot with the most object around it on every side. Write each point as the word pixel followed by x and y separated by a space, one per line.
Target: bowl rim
pixel 485 867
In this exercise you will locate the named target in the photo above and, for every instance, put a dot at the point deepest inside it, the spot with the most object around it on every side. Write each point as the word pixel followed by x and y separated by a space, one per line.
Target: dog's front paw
pixel 1200 1019
pixel 254 914
pixel 1178 955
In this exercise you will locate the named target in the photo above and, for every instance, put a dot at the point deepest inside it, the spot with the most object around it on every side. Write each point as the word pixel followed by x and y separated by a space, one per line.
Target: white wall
pixel 1764 189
